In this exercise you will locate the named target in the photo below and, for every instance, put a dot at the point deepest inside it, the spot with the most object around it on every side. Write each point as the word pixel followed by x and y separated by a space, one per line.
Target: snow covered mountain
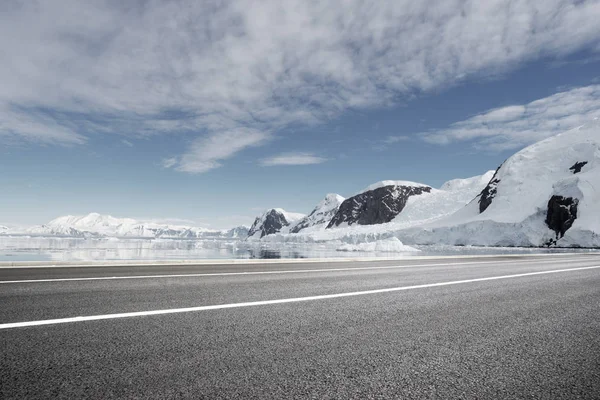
pixel 546 194
pixel 418 210
pixel 437 203
pixel 97 225
pixel 377 204
pixel 275 220
pixel 239 232
pixel 320 215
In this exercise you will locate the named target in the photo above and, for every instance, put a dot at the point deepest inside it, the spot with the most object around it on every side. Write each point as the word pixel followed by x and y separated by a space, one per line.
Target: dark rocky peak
pixel 270 222
pixel 576 168
pixel 376 206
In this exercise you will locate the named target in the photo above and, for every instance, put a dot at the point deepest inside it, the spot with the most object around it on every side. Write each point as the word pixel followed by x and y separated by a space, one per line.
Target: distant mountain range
pixel 97 225
pixel 380 203
pixel 547 194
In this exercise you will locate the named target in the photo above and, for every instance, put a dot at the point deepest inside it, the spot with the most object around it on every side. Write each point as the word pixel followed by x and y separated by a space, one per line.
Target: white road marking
pixel 289 271
pixel 278 301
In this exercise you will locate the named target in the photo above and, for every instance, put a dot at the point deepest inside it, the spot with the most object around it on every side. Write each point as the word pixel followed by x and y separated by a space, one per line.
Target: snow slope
pixel 452 196
pixel 520 194
pixel 320 215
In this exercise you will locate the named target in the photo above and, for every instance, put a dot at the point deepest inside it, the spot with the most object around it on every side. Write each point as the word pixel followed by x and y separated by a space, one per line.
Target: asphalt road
pixel 503 327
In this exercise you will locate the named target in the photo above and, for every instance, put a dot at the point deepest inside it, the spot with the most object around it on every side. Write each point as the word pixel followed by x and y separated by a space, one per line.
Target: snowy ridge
pixel 106 225
pixel 452 196
pixel 290 216
pixel 467 184
pixel 320 215
pixel 381 184
pixel 97 225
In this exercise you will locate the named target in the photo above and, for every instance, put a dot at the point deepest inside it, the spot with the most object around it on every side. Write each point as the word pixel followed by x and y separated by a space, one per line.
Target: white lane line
pixel 278 301
pixel 289 271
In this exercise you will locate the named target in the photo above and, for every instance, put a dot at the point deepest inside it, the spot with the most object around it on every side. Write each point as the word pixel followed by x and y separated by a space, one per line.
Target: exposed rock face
pixel 562 212
pixel 322 213
pixel 270 222
pixel 576 168
pixel 489 192
pixel 375 206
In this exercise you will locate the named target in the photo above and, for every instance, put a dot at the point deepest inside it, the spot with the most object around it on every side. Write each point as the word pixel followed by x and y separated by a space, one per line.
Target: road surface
pixel 485 327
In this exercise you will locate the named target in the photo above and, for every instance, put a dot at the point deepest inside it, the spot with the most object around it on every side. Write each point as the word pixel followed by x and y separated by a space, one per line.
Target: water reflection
pixel 14 249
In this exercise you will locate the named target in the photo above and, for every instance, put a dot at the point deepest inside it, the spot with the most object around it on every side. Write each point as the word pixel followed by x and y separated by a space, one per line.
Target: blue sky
pixel 207 114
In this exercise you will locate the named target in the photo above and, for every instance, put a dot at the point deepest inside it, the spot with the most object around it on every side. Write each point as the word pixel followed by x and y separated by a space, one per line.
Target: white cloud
pixel 518 125
pixel 73 68
pixel 292 159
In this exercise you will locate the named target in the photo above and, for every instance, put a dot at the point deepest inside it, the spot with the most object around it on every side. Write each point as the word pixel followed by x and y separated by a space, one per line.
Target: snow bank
pixel 390 245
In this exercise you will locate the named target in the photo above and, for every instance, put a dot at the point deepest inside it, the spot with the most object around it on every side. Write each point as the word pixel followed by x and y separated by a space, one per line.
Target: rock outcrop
pixel 273 221
pixel 378 204
pixel 576 168
pixel 562 212
pixel 489 192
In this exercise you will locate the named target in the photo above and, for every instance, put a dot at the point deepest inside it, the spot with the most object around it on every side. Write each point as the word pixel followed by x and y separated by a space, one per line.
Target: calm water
pixel 13 249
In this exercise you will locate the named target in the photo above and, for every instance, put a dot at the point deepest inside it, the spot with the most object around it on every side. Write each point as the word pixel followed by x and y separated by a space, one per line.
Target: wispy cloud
pixel 208 152
pixel 518 125
pixel 396 139
pixel 292 159
pixel 71 68
pixel 388 142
